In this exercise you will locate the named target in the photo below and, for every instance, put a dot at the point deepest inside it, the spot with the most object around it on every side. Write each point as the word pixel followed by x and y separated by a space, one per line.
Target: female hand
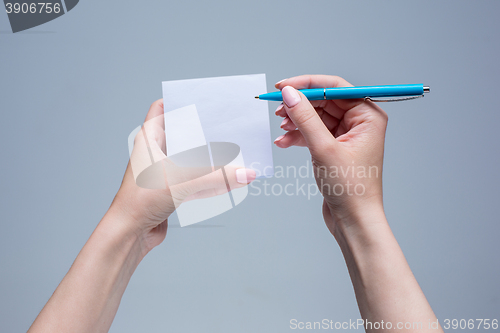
pixel 153 185
pixel 346 141
pixel 88 297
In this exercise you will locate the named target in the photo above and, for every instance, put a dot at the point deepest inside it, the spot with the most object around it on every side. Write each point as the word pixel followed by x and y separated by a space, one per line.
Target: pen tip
pixel 257 97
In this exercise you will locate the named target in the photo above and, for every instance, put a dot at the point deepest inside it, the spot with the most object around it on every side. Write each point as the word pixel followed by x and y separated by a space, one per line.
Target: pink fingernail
pixel 280 107
pixel 279 82
pixel 279 138
pixel 290 96
pixel 245 176
pixel 284 122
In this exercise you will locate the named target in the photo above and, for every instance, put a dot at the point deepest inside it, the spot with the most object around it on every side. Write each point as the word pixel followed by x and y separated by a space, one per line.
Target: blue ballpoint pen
pixel 400 90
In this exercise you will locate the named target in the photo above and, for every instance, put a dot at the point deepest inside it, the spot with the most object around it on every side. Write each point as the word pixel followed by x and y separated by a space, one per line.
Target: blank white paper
pixel 183 130
pixel 228 112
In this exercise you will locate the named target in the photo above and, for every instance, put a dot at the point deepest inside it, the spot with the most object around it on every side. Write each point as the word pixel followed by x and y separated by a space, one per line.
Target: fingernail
pixel 279 138
pixel 280 107
pixel 245 176
pixel 279 82
pixel 284 122
pixel 290 96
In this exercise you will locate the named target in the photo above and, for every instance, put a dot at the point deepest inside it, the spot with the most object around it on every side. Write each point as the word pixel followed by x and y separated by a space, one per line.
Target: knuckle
pixel 157 103
pixel 385 116
pixel 382 114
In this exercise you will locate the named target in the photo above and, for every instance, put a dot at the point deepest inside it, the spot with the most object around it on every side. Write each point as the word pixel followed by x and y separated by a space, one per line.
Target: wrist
pixel 122 228
pixel 363 222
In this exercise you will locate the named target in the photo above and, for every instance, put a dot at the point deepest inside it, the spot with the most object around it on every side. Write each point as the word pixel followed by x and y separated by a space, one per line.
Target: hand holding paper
pixel 155 185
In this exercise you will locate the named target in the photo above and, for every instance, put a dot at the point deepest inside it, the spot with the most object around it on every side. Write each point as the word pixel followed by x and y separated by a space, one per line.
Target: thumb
pixel 307 120
pixel 215 183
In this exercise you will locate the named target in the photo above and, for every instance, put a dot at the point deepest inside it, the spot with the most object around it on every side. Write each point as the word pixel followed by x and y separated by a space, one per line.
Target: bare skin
pixel 347 133
pixel 337 133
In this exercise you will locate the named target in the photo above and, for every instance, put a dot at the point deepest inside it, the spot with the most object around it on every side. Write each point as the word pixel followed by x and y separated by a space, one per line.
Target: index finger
pixel 321 81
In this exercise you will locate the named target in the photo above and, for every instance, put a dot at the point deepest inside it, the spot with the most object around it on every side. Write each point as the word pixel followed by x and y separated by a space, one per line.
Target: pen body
pixel 374 91
pixel 353 92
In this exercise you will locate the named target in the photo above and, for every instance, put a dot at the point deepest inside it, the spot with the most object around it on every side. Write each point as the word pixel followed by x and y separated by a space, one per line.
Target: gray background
pixel 74 88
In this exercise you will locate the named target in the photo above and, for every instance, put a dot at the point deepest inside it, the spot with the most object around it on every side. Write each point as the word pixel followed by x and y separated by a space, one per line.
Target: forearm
pixel 88 297
pixel 385 287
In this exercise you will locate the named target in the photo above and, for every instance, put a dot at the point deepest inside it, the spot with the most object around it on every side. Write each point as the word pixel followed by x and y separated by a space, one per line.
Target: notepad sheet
pixel 228 112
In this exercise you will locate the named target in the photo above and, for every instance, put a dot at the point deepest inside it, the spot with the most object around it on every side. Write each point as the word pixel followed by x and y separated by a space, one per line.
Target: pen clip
pixel 393 99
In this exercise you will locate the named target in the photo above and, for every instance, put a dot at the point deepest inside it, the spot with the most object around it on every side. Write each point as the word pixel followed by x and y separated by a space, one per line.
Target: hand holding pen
pixel 345 133
pixel 346 141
